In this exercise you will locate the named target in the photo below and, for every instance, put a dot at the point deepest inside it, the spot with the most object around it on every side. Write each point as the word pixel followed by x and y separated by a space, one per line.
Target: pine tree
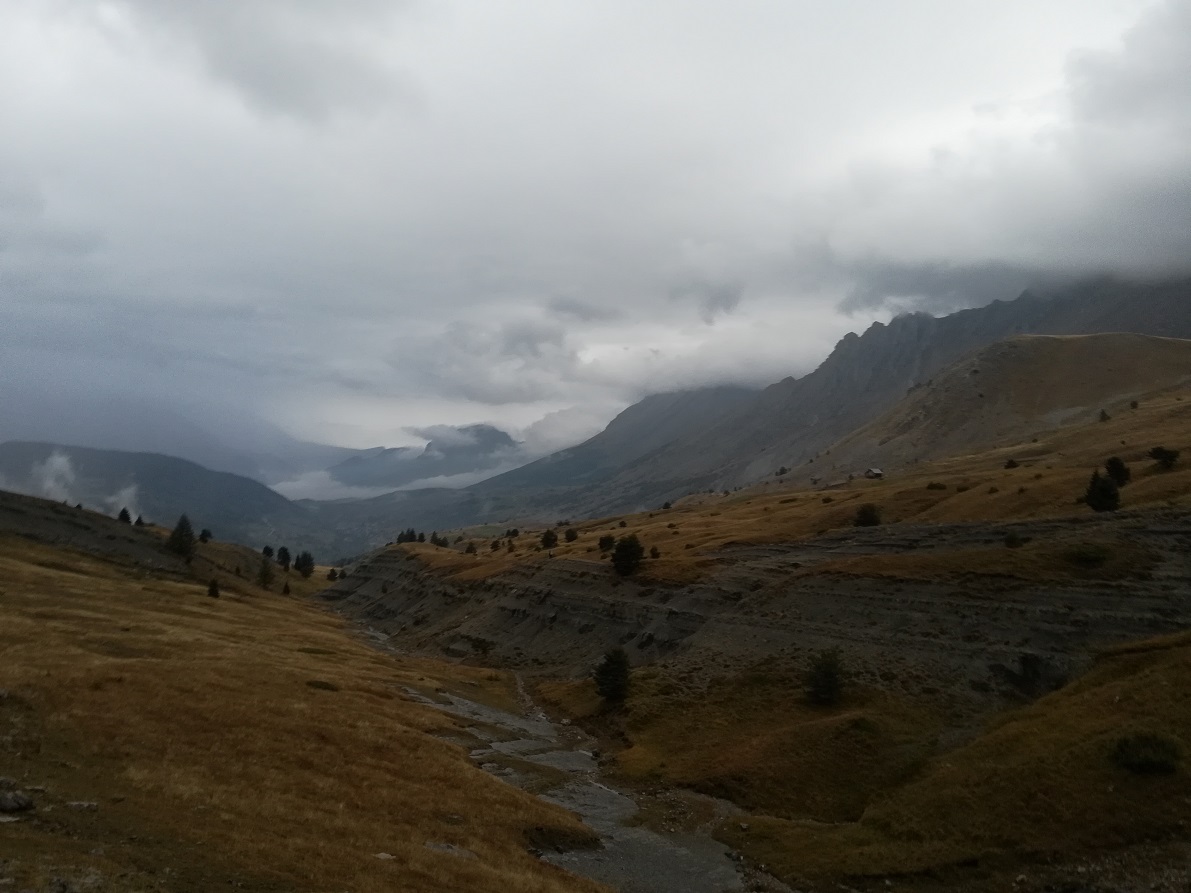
pixel 627 555
pixel 612 676
pixel 1116 469
pixel 205 535
pixel 267 551
pixel 283 558
pixel 264 575
pixel 570 534
pixel 1102 494
pixel 304 564
pixel 549 539
pixel 140 522
pixel 181 540
pixel 124 517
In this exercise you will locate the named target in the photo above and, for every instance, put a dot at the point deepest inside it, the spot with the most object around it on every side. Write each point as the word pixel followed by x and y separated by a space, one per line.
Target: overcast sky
pixel 356 217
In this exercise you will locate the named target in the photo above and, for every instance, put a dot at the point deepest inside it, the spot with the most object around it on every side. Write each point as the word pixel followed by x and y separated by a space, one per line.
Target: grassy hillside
pixel 1051 473
pixel 175 741
pixel 1011 391
pixel 1042 780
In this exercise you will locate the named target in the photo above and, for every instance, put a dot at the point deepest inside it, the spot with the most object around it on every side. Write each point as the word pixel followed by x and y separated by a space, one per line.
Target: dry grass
pixel 193 724
pixel 1053 472
pixel 1039 782
pixel 753 739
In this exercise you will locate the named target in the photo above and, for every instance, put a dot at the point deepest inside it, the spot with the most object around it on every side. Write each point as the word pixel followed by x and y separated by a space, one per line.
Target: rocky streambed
pixel 560 763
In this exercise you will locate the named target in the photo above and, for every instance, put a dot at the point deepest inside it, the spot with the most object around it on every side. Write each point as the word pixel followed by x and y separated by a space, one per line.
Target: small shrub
pixel 827 499
pixel 332 574
pixel 868 515
pixel 666 505
pixel 570 534
pixel 470 550
pixel 549 539
pixel 623 524
pixel 1013 463
pixel 205 536
pixel 825 679
pixel 654 552
pixel 935 485
pixel 1164 457
pixel 285 588
pixel 1147 754
pixel 607 541
pixel 992 490
pixel 213 589
pixel 962 488
pixel 1104 416
pixel 1015 540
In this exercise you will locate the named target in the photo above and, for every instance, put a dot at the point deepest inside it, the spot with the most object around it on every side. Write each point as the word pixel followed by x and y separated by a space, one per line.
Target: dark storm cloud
pixel 356 218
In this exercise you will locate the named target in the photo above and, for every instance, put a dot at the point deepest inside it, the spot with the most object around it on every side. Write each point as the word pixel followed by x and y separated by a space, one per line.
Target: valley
pixel 1000 645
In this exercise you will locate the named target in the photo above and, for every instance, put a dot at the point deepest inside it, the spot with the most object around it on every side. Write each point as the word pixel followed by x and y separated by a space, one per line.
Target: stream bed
pixel 559 763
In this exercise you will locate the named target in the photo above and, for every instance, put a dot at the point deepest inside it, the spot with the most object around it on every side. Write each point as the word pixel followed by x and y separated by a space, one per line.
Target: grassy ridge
pixel 248 739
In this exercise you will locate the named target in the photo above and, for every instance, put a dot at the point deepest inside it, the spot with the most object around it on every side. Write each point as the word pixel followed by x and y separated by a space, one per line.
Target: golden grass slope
pixel 1052 473
pixel 1011 391
pixel 247 740
pixel 1039 782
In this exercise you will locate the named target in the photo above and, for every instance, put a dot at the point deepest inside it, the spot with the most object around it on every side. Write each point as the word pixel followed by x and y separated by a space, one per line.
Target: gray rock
pixel 14 801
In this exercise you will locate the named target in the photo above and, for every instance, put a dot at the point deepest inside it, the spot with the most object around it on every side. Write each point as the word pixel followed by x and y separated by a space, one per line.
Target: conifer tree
pixel 1102 494
pixel 612 675
pixel 181 540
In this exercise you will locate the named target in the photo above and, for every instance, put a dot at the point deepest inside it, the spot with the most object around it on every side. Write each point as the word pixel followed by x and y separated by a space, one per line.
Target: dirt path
pixel 558 763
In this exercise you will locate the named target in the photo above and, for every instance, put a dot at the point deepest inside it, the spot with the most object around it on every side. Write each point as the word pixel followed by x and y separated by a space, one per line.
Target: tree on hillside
pixel 283 558
pixel 607 541
pixel 205 535
pixel 264 575
pixel 332 575
pixel 213 589
pixel 304 564
pixel 627 555
pixel 549 539
pixel 1102 494
pixel 1116 469
pixel 140 522
pixel 181 540
pixel 471 549
pixel 825 679
pixel 267 551
pixel 570 534
pixel 1164 457
pixel 612 676
pixel 124 517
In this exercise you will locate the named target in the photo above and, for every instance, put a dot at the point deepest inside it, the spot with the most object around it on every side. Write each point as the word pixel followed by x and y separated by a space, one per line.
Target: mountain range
pixel 658 450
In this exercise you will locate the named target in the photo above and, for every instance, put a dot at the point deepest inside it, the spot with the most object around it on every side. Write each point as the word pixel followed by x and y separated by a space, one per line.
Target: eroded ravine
pixel 559 763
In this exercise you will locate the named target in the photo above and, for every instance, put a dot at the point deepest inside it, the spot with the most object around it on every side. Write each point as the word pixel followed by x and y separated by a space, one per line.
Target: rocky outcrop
pixel 972 642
